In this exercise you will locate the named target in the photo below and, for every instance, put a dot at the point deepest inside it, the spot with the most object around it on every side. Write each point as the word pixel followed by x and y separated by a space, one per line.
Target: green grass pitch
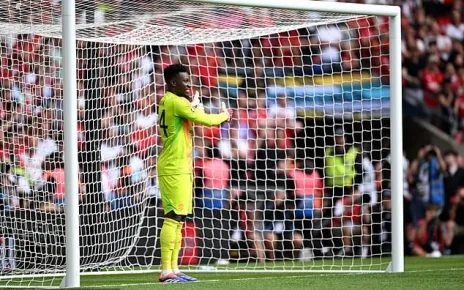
pixel 420 273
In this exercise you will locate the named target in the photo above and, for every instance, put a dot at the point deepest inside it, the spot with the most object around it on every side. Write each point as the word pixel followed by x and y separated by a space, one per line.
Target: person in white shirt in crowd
pixel 455 29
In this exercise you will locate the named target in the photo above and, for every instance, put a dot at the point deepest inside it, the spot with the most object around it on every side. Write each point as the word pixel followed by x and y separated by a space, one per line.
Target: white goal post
pixel 136 226
pixel 70 110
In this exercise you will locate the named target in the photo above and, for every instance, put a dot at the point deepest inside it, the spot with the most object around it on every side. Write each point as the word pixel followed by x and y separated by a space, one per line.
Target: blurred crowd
pixel 433 68
pixel 343 209
pixel 252 174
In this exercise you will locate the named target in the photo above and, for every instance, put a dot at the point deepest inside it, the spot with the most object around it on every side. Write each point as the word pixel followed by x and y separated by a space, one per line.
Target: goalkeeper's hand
pixel 226 111
pixel 196 102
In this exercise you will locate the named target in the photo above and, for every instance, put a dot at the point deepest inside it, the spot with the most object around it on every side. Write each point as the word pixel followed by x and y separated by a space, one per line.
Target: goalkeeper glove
pixel 196 102
pixel 226 111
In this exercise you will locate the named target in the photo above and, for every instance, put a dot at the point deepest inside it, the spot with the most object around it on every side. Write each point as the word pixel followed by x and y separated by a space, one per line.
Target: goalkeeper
pixel 175 164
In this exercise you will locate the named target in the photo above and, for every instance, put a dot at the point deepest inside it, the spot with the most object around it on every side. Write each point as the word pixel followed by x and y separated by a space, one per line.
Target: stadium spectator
pixel 343 175
pixel 432 79
pixel 111 147
pixel 368 188
pixel 107 187
pixel 412 65
pixel 454 182
pixel 455 29
pixel 146 117
pixel 281 241
pixel 380 222
pixel 124 190
pixel 236 139
pixel 328 39
pixel 267 156
pixel 138 176
pixel 152 177
pixel 215 182
pixel 383 168
pixel 211 99
pixel 9 196
pixel 340 175
pixel 41 146
pixel 282 115
pixel 217 204
pixel 143 136
pixel 308 198
pixel 51 195
pixel 205 61
pixel 7 240
pixel 309 190
pixel 428 233
pixel 443 41
pixel 19 178
pixel 381 212
pixel 368 198
pixel 457 214
pixel 428 171
pixel 236 145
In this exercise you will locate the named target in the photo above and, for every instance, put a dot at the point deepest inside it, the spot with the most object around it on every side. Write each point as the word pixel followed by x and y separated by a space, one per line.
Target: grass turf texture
pixel 420 273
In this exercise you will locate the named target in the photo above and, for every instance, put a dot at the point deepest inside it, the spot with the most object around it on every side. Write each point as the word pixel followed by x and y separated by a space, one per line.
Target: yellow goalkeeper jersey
pixel 175 127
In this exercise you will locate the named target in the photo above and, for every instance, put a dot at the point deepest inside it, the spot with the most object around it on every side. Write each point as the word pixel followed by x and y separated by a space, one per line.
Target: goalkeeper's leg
pixel 176 193
pixel 176 250
pixel 168 237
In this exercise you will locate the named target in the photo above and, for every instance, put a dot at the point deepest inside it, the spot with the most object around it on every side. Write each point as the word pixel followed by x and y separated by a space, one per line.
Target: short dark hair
pixel 173 70
pixel 451 152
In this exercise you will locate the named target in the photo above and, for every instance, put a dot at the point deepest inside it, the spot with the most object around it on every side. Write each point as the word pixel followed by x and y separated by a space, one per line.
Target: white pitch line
pixel 435 270
pixel 304 275
pixel 283 277
pixel 202 281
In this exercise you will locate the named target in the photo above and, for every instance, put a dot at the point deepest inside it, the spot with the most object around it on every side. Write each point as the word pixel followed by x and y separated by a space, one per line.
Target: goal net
pixel 298 181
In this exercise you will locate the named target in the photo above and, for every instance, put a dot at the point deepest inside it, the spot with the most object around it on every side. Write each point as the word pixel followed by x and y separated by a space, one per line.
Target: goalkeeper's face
pixel 181 85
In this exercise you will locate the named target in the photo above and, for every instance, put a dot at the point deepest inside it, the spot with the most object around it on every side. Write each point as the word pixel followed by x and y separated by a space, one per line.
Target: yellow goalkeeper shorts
pixel 177 193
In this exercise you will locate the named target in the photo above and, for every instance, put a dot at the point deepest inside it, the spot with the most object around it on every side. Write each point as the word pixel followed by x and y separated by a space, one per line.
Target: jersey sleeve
pixel 183 109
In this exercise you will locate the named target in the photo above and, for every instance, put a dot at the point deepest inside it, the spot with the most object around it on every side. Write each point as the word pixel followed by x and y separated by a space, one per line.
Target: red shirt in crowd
pixel 431 80
pixel 420 241
pixel 216 173
pixel 280 47
pixel 207 64
pixel 308 184
pixel 143 139
pixel 461 106
pixel 212 134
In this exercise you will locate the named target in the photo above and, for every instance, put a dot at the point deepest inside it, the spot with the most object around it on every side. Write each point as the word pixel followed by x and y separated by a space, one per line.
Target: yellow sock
pixel 176 251
pixel 168 237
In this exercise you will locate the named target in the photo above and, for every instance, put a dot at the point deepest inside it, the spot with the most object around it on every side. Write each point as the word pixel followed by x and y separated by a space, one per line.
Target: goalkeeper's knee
pixel 178 218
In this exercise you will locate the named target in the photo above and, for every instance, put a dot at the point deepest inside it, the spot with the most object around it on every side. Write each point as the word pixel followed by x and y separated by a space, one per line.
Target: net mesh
pixel 158 22
pixel 297 181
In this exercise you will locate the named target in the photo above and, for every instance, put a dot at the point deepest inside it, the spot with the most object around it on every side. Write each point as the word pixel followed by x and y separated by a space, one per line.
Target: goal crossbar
pixel 316 6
